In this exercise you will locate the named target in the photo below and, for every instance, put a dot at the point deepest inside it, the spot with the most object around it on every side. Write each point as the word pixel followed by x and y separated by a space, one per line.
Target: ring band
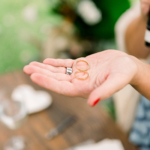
pixel 82 72
pixel 69 71
pixel 82 69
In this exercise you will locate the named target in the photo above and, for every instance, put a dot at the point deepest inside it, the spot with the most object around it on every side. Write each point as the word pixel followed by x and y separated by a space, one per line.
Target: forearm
pixel 141 82
pixel 134 38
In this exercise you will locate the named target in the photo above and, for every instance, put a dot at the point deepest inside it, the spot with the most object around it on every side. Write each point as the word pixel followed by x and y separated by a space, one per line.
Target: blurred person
pixel 132 111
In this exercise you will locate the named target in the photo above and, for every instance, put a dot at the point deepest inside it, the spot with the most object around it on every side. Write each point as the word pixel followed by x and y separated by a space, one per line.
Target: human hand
pixel 145 7
pixel 109 72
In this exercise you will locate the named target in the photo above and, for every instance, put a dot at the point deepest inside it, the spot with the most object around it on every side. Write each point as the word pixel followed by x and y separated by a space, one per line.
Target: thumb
pixel 113 84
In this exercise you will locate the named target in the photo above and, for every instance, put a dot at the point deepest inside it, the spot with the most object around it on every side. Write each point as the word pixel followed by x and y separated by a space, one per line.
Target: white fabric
pixel 126 100
pixel 106 144
pixel 34 101
pixel 89 12
pixel 123 23
pixel 147 36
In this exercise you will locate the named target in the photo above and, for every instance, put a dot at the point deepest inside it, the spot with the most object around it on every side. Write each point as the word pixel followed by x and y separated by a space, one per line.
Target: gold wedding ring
pixel 81 72
pixel 82 69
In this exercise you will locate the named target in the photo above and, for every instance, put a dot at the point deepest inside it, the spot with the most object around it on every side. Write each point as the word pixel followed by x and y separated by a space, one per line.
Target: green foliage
pixel 133 1
pixel 15 49
pixel 111 11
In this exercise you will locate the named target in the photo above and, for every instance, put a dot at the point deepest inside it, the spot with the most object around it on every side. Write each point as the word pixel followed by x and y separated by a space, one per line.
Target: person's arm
pixel 134 36
pixel 141 81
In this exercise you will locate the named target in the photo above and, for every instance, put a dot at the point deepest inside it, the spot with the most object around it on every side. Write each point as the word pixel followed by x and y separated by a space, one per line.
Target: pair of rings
pixel 69 70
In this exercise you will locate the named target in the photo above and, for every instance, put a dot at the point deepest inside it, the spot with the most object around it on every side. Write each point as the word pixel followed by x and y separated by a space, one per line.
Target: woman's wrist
pixel 142 72
pixel 136 75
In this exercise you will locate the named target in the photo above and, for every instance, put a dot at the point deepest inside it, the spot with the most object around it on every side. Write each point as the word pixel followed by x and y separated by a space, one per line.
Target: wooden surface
pixel 92 123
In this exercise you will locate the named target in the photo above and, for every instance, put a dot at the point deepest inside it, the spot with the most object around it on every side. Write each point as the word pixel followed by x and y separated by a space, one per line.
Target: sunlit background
pixel 32 30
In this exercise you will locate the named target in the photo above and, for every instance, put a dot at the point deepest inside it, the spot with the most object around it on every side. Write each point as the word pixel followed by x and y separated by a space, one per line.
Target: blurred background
pixel 32 30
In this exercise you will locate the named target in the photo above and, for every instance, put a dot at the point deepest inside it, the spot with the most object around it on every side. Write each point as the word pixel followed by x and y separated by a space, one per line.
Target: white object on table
pixel 86 143
pixel 35 101
pixel 106 144
pixel 89 12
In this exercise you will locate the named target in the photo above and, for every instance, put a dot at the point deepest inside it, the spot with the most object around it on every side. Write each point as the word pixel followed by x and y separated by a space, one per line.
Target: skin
pixel 134 37
pixel 109 71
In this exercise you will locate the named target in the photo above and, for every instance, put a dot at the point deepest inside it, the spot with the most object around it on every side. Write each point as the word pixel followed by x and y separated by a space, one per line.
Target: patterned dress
pixel 140 132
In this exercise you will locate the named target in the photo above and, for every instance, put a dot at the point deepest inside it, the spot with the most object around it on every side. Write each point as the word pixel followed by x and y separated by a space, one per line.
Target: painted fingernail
pixel 95 102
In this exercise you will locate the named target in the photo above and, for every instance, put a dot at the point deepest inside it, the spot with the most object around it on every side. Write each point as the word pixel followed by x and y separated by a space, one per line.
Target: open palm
pixel 109 71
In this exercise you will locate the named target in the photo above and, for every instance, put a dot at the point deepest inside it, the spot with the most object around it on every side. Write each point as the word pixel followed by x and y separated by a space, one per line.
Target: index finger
pixel 59 62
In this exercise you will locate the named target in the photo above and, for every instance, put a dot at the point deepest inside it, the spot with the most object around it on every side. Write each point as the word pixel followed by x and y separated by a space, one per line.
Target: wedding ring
pixel 81 72
pixel 88 67
pixel 69 71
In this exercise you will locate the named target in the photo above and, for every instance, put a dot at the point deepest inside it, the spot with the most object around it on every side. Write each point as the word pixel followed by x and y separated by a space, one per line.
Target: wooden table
pixel 92 123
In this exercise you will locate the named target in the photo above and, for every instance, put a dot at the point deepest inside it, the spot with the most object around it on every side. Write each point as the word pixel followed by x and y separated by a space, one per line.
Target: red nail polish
pixel 95 102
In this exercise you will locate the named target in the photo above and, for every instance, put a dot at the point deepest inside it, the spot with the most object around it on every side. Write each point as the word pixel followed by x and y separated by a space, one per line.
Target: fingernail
pixel 95 102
